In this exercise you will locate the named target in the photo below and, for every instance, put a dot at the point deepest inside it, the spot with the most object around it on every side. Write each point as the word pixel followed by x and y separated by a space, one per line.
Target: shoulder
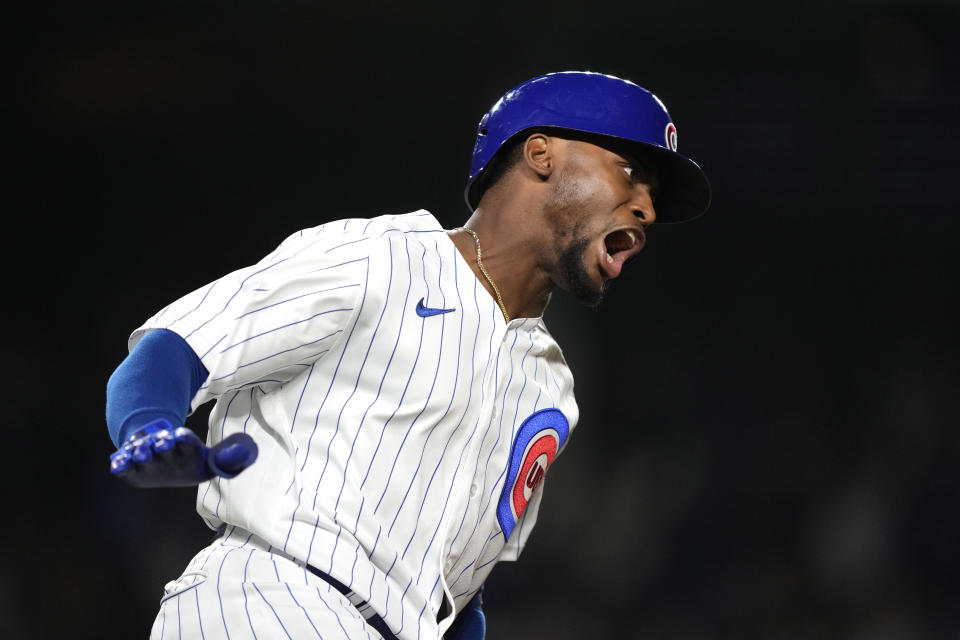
pixel 413 224
pixel 561 378
pixel 546 347
pixel 402 240
pixel 347 231
pixel 352 239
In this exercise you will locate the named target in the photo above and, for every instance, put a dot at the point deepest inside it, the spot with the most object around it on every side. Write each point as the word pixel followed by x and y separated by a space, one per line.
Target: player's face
pixel 598 209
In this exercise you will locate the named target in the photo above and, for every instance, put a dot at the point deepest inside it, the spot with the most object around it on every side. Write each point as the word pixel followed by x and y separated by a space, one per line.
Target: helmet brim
pixel 685 192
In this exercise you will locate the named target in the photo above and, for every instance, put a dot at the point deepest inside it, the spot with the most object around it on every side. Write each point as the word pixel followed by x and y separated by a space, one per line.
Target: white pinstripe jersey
pixel 401 454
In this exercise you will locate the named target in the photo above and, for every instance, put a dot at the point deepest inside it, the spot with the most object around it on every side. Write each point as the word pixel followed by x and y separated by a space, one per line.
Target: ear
pixel 538 152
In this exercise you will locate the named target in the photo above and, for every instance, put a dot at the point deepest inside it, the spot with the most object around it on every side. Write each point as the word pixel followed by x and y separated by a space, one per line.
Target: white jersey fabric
pixel 401 452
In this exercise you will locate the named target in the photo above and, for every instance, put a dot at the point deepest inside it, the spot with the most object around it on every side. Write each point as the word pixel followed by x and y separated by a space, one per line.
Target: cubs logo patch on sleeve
pixel 538 440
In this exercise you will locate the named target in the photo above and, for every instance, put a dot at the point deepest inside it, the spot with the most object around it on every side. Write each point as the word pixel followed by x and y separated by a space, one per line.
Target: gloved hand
pixel 160 456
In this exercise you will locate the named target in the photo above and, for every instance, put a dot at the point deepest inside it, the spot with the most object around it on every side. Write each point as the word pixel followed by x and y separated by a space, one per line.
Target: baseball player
pixel 388 397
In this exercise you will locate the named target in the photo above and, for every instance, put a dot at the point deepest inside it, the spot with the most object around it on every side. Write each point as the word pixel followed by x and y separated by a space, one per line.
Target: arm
pixel 147 395
pixel 257 327
pixel 158 379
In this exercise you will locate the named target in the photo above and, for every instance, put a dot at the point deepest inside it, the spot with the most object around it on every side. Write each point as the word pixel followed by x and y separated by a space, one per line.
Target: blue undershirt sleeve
pixel 158 379
pixel 471 623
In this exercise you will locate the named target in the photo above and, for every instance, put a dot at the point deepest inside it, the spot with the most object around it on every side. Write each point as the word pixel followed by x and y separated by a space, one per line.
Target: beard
pixel 573 194
pixel 576 280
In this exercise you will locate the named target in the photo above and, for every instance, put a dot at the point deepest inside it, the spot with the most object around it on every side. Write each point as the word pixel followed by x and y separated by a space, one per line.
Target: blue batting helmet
pixel 606 107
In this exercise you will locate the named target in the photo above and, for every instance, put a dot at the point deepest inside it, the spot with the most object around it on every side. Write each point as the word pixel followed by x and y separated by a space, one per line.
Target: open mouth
pixel 619 247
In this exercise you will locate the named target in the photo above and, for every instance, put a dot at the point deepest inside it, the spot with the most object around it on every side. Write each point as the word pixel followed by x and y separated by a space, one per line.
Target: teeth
pixel 609 259
pixel 633 237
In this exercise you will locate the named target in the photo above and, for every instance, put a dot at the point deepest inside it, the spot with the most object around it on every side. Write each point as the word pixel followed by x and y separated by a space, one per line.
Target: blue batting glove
pixel 160 456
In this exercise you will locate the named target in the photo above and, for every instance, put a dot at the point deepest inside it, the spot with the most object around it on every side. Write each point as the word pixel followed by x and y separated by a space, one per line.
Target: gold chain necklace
pixel 476 239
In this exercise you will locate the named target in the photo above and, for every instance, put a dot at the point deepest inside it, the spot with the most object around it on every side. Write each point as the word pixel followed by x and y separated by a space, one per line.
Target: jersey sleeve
pixel 264 324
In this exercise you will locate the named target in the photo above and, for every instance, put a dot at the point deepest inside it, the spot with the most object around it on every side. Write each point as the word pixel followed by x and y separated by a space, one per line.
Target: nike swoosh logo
pixel 426 312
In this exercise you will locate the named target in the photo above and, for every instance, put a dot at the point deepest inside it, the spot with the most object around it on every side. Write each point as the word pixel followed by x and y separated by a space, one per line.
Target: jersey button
pixel 474 489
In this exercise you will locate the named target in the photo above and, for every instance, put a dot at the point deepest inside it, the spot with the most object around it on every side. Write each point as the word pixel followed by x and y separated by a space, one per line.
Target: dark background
pixel 765 448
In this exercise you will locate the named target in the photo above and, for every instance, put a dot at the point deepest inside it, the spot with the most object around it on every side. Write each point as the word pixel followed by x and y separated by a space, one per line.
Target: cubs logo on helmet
pixel 538 440
pixel 670 135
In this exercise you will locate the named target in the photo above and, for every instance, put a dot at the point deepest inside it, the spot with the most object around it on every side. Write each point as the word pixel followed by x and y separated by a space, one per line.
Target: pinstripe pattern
pixel 384 436
pixel 241 588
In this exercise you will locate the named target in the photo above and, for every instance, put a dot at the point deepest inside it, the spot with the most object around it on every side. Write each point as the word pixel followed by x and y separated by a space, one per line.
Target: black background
pixel 765 448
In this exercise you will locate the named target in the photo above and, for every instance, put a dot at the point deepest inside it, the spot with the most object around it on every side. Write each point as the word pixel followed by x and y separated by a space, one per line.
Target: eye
pixel 629 170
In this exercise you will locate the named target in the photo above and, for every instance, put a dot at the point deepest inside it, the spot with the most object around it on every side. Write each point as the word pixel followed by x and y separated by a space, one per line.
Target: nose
pixel 643 207
pixel 647 216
